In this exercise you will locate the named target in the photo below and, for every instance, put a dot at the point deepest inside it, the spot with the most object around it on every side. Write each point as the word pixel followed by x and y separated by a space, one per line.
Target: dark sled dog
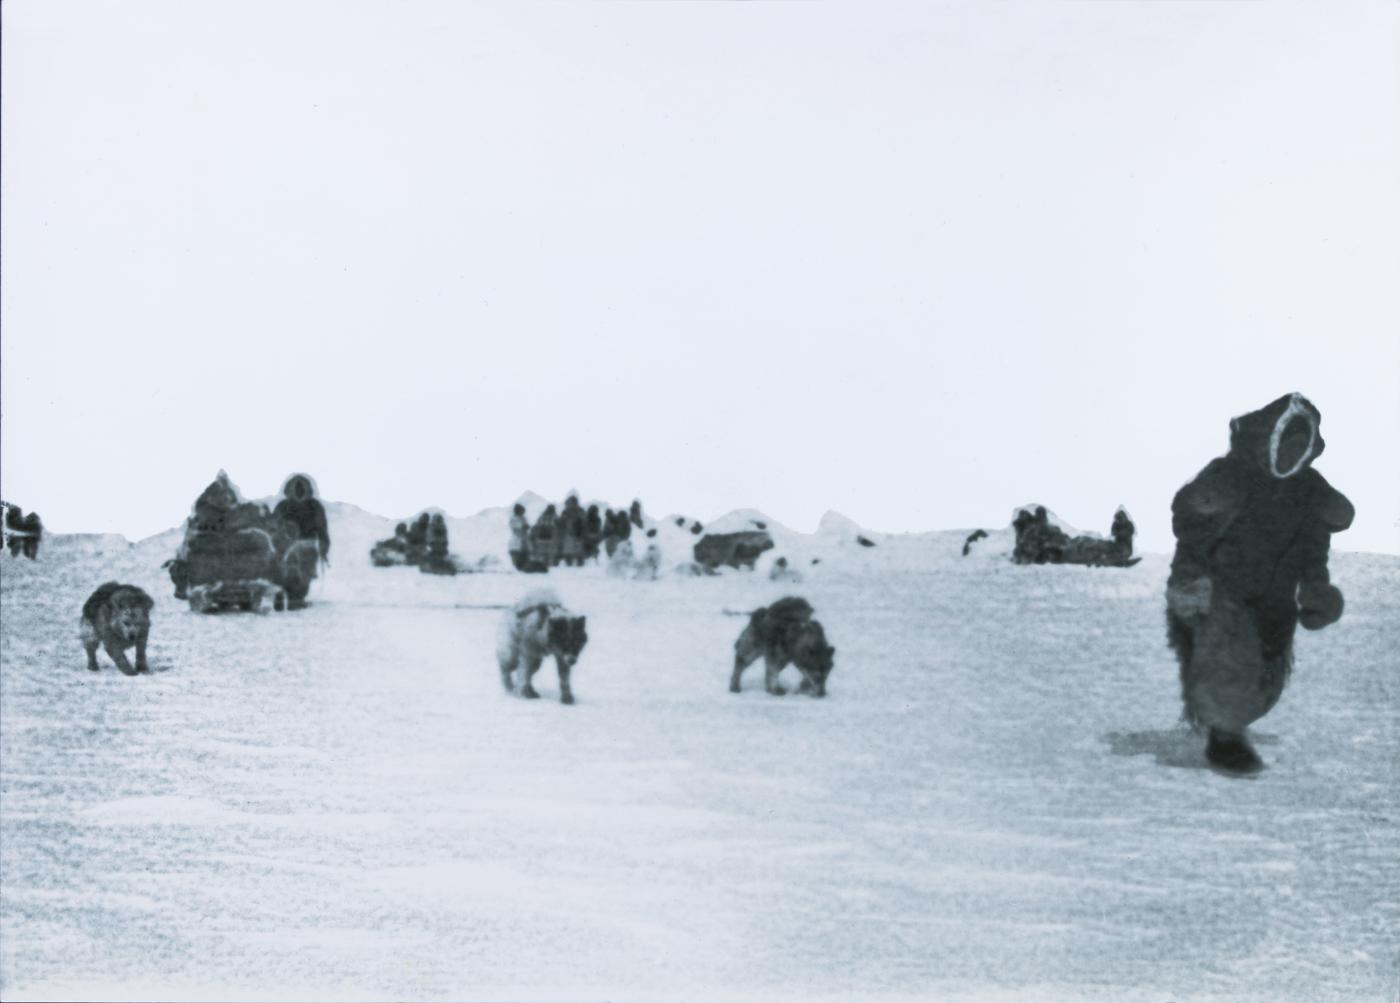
pixel 780 634
pixel 117 617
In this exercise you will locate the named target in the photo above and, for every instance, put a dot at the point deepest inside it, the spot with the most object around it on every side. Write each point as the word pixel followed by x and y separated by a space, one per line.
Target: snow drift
pixel 994 801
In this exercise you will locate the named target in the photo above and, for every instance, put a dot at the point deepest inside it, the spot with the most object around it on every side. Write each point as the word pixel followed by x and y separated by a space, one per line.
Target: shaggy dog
pixel 1253 532
pixel 536 626
pixel 117 617
pixel 784 633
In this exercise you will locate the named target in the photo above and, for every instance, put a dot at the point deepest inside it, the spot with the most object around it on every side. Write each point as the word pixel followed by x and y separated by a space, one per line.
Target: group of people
pixel 422 544
pixel 22 532
pixel 570 536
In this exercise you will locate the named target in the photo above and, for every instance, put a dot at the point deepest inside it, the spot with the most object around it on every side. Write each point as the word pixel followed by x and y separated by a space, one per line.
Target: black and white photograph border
pixel 699 501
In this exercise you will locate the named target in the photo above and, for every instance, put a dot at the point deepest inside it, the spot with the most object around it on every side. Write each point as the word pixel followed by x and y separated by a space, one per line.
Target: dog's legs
pixel 507 667
pixel 530 664
pixel 141 665
pixel 119 656
pixel 566 695
pixel 91 648
pixel 772 665
pixel 743 658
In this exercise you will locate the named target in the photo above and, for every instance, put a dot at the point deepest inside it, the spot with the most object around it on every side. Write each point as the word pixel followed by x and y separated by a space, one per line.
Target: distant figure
pixel 300 507
pixel 1027 541
pixel 571 530
pixel 214 505
pixel 437 536
pixel 418 538
pixel 609 532
pixel 650 565
pixel 437 561
pixel 23 532
pixel 13 528
pixel 519 545
pixel 544 546
pixel 211 513
pixel 616 529
pixel 592 533
pixel 635 513
pixel 1051 539
pixel 1121 532
pixel 1253 533
pixel 35 528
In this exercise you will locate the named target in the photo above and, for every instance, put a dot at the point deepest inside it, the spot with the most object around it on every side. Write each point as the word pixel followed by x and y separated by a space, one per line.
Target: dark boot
pixel 1232 754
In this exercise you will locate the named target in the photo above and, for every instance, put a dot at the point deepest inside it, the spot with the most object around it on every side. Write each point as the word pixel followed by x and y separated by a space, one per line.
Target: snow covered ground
pixel 994 803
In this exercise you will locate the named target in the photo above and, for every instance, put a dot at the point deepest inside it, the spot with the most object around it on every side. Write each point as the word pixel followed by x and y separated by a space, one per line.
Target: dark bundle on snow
pixel 22 532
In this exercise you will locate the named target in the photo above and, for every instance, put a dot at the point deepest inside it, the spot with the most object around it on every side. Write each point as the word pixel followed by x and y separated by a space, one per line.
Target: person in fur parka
pixel 1253 532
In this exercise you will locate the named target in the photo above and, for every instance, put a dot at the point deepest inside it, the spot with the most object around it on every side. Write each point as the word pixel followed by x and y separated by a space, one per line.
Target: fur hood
pixel 1281 438
pixel 221 493
pixel 292 481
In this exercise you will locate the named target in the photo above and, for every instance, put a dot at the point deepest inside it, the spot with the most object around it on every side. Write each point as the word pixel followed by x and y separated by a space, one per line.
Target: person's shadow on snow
pixel 1178 747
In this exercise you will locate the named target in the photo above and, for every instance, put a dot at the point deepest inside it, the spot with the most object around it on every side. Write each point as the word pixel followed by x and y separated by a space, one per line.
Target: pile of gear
pixel 238 555
pixel 1039 541
pixel 421 544
pixel 22 533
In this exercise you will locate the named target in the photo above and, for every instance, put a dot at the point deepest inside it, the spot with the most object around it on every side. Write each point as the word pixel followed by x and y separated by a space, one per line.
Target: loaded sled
pixel 262 567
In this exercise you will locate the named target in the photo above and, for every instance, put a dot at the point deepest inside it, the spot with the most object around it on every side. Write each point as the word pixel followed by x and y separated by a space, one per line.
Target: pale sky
pixel 919 264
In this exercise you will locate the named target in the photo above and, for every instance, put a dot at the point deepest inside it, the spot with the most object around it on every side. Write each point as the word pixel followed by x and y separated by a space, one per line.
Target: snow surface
pixel 995 801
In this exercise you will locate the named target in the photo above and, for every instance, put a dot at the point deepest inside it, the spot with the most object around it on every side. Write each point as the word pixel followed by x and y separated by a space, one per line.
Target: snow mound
pixel 846 531
pixel 353 532
pixel 484 537
pixel 534 504
pixel 748 520
pixel 86 544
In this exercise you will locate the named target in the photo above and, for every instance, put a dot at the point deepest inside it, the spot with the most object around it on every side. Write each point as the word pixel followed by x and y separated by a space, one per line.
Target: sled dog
pixel 780 634
pixel 117 617
pixel 536 626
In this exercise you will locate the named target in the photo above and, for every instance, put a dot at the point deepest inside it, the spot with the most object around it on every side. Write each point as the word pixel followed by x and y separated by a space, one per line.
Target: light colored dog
pixel 536 626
